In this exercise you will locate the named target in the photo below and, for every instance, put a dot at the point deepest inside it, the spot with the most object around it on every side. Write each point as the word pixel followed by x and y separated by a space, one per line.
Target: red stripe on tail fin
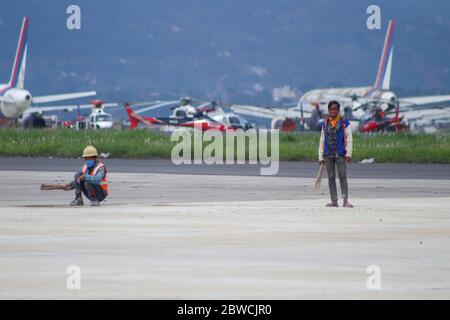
pixel 18 71
pixel 387 49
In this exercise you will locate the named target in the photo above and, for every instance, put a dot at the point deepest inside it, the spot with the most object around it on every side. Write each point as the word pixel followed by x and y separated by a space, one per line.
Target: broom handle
pixel 52 187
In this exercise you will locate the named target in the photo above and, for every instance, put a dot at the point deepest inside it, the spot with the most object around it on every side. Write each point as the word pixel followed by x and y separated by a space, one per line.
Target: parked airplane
pixel 357 100
pixel 379 93
pixel 14 98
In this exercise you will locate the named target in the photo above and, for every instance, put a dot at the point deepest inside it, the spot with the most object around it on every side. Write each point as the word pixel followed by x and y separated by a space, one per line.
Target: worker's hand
pixel 80 178
pixel 321 162
pixel 348 159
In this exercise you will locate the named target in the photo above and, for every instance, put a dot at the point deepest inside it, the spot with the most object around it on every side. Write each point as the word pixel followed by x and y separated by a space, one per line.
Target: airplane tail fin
pixel 18 72
pixel 131 115
pixel 383 80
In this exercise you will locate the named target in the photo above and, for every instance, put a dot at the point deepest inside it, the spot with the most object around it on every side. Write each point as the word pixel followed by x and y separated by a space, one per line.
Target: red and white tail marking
pixel 18 72
pixel 383 80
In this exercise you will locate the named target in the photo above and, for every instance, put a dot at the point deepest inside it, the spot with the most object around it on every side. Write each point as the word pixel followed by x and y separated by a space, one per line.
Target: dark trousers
pixel 331 163
pixel 90 191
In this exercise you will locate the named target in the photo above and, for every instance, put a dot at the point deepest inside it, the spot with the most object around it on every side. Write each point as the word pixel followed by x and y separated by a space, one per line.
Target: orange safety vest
pixel 104 183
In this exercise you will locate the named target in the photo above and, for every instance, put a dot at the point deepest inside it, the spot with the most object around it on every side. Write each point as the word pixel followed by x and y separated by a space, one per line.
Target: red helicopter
pixel 377 121
pixel 199 120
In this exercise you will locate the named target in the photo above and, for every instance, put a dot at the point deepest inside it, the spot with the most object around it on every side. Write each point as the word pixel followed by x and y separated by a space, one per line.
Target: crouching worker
pixel 91 180
pixel 335 150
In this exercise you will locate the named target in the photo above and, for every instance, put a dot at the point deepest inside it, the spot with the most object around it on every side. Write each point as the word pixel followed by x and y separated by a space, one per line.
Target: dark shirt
pixel 332 134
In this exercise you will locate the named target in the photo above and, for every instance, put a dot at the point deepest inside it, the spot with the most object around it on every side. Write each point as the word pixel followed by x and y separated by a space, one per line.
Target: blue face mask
pixel 90 163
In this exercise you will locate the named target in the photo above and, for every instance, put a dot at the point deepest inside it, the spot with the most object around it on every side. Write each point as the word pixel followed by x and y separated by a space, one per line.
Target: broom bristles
pixel 318 178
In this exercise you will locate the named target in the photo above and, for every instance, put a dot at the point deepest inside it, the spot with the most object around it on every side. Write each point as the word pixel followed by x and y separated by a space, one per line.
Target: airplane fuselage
pixel 323 95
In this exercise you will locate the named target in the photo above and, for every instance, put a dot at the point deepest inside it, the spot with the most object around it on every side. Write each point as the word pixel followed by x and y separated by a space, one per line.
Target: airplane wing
pixel 428 114
pixel 424 102
pixel 268 112
pixel 65 96
pixel 68 108
pixel 72 107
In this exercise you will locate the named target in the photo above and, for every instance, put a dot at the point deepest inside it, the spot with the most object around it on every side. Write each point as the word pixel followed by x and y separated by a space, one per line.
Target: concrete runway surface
pixel 182 236
pixel 286 168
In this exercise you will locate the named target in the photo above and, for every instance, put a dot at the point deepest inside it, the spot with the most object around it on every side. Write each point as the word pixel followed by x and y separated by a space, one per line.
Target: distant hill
pixel 225 49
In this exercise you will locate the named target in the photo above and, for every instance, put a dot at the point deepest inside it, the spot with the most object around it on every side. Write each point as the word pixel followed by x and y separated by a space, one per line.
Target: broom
pixel 53 187
pixel 318 178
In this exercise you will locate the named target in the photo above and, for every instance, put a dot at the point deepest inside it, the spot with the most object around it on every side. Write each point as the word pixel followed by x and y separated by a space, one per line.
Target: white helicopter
pixel 99 119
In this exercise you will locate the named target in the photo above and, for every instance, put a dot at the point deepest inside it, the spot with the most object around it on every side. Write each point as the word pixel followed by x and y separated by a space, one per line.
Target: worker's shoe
pixel 95 203
pixel 333 204
pixel 346 204
pixel 78 202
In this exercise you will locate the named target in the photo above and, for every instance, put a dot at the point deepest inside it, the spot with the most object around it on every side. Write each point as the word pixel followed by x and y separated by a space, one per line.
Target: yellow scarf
pixel 335 120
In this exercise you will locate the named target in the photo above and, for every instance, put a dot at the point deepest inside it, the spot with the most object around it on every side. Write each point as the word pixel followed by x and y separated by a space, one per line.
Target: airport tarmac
pixel 286 168
pixel 183 236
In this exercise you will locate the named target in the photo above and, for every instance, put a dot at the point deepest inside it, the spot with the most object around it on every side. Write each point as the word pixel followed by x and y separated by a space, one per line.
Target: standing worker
pixel 91 180
pixel 335 150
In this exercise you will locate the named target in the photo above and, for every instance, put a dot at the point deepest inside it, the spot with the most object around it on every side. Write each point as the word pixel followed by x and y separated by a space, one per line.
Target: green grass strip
pixel 400 148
